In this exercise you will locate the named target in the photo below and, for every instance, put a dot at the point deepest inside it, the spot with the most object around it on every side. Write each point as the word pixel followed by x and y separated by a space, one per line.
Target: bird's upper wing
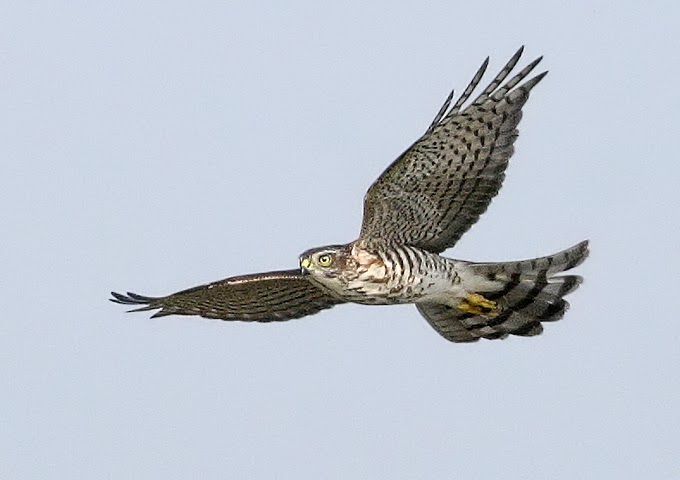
pixel 436 190
pixel 261 297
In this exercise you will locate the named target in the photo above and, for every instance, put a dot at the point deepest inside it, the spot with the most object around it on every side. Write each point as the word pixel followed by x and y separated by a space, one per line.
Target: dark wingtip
pixel 582 247
pixel 140 298
pixel 515 58
pixel 482 69
pixel 585 248
pixel 531 65
pixel 532 83
pixel 579 253
pixel 120 298
pixel 134 299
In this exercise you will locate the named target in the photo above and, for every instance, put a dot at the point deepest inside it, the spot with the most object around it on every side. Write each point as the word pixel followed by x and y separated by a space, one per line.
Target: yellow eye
pixel 325 260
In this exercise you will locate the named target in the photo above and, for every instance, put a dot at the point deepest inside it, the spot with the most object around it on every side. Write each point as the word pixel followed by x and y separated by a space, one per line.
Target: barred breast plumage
pixel 395 274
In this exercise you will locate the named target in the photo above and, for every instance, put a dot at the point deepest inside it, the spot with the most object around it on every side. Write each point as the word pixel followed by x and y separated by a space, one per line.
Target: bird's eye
pixel 325 260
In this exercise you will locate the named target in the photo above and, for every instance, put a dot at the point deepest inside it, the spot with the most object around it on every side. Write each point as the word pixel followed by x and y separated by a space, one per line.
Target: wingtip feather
pixel 518 53
pixel 132 298
pixel 532 83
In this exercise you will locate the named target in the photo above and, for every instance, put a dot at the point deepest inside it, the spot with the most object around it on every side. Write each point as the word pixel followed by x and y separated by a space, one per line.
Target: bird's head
pixel 328 265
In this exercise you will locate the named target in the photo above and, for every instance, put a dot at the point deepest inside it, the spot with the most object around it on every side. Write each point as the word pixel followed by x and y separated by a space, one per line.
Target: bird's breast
pixel 381 279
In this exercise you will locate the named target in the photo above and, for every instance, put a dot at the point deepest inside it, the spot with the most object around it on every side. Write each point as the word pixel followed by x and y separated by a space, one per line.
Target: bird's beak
pixel 304 264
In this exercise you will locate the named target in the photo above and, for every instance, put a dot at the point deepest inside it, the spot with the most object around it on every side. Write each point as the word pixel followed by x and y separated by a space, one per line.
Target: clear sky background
pixel 153 146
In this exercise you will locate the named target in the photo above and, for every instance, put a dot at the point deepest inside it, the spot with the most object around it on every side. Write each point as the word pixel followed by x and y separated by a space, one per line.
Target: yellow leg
pixel 478 305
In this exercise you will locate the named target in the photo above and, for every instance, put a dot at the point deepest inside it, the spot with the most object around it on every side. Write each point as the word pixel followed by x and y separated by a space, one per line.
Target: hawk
pixel 420 206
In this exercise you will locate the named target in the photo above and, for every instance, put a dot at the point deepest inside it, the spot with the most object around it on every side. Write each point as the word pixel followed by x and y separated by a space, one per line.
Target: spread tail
pixel 515 297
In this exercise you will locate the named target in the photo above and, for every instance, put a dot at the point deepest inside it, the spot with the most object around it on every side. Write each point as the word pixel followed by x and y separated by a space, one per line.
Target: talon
pixel 478 305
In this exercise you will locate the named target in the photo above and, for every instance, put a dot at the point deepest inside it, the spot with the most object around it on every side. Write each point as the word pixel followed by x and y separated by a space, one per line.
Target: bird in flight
pixel 419 207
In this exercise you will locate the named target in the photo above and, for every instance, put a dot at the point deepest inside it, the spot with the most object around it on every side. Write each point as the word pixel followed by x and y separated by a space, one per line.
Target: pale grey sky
pixel 154 146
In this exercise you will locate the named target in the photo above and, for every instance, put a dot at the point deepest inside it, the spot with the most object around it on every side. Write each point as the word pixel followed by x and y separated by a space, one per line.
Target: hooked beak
pixel 304 265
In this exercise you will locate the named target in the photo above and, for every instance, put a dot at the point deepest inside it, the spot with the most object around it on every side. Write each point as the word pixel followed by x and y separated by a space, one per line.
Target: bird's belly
pixel 400 291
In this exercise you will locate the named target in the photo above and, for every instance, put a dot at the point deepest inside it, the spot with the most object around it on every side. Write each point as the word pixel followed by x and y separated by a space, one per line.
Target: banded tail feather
pixel 524 294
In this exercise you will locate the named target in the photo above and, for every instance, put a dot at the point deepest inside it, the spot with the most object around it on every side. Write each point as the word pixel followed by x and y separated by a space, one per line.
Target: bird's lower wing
pixel 261 297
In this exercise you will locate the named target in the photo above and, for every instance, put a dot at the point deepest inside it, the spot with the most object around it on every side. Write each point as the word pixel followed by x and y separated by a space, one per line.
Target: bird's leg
pixel 478 305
